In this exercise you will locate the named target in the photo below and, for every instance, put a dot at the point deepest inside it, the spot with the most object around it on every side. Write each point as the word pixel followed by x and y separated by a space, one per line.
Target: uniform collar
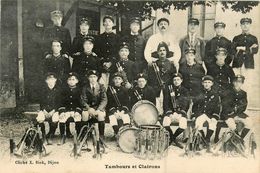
pixel 133 34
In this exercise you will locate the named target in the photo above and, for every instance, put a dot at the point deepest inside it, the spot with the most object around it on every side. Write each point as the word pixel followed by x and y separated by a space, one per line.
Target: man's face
pixel 88 46
pixel 108 24
pixel 51 82
pixel 237 84
pixel 72 81
pixel 219 30
pixel 245 26
pixel 192 28
pixel 117 81
pixel 207 84
pixel 162 52
pixel 92 79
pixel 177 81
pixel 84 28
pixel 163 26
pixel 221 57
pixel 56 47
pixel 135 27
pixel 123 53
pixel 56 20
pixel 190 57
pixel 141 82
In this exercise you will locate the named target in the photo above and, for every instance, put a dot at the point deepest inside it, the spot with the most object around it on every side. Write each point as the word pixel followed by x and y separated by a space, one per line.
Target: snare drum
pixel 152 142
pixel 144 112
pixel 127 138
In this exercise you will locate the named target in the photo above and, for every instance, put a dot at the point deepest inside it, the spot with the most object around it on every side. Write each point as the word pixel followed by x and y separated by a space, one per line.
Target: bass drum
pixel 144 112
pixel 127 138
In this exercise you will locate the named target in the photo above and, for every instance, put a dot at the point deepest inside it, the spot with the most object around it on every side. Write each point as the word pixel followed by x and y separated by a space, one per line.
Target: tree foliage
pixel 144 8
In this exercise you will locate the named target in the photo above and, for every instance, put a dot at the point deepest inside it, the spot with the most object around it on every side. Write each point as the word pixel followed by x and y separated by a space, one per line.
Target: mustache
pixel 163 27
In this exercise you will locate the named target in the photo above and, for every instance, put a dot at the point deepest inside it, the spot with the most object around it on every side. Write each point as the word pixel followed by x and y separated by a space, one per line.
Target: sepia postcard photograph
pixel 129 86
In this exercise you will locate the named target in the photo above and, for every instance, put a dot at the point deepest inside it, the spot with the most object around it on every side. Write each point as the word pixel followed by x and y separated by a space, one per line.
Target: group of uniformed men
pixel 112 72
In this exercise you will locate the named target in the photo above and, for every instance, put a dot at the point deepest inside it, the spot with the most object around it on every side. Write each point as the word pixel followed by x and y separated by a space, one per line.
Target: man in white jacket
pixel 162 36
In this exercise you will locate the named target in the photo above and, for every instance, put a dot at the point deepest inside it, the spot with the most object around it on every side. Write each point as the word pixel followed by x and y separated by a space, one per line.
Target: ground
pixel 121 162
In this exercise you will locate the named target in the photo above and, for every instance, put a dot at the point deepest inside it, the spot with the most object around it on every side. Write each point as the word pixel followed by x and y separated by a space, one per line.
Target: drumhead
pixel 127 139
pixel 150 127
pixel 144 112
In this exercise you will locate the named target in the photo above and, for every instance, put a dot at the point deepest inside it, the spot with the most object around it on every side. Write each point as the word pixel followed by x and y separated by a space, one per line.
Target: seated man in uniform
pixel 94 101
pixel 206 108
pixel 176 105
pixel 118 103
pixel 238 105
pixel 49 102
pixel 142 91
pixel 70 107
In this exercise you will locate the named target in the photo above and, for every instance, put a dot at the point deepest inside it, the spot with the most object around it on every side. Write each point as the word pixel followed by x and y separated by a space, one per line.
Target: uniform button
pixel 236 99
pixel 107 50
pixel 70 96
pixel 107 42
pixel 220 80
pixel 220 74
pixel 71 103
pixel 190 74
pixel 205 106
pixel 237 94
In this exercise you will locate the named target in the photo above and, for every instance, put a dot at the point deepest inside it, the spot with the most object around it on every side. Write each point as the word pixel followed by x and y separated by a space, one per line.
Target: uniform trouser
pixel 175 117
pixel 100 120
pixel 200 120
pixel 104 79
pixel 231 122
pixel 51 118
pixel 65 119
pixel 114 118
pixel 159 103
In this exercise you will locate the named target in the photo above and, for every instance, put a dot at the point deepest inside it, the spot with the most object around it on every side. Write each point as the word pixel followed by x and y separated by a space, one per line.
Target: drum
pixel 127 138
pixel 152 142
pixel 144 112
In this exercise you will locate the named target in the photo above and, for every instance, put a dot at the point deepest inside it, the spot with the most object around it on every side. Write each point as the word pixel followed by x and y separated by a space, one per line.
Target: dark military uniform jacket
pixel 54 32
pixel 166 71
pixel 136 47
pixel 59 65
pixel 211 47
pixel 107 49
pixel 146 93
pixel 223 76
pixel 192 78
pixel 179 103
pixel 85 62
pixel 123 97
pixel 96 99
pixel 70 100
pixel 50 98
pixel 198 45
pixel 207 103
pixel 77 43
pixel 130 69
pixel 237 104
pixel 244 57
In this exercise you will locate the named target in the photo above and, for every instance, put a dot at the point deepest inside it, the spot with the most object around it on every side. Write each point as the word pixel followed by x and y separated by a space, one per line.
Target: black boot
pixel 50 135
pixel 216 138
pixel 209 134
pixel 42 126
pixel 202 134
pixel 175 135
pixel 116 129
pixel 168 128
pixel 68 133
pixel 62 134
pixel 78 126
pixel 244 133
pixel 101 128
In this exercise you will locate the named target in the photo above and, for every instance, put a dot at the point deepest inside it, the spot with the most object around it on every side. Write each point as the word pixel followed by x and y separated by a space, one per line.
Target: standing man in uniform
pixel 194 41
pixel 107 49
pixel 192 73
pixel 160 73
pixel 57 31
pixel 162 36
pixel 136 44
pixel 245 47
pixel 216 42
pixel 77 43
